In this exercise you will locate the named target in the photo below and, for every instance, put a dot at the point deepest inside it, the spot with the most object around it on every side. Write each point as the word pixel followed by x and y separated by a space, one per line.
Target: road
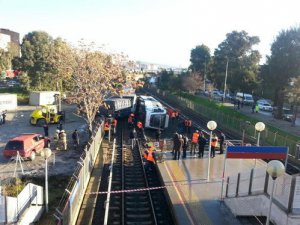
pixel 18 123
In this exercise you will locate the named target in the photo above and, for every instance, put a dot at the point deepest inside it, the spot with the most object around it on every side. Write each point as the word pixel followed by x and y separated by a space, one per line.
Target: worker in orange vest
pixel 213 144
pixel 130 121
pixel 194 144
pixel 173 116
pixel 106 129
pixel 115 122
pixel 150 160
pixel 176 115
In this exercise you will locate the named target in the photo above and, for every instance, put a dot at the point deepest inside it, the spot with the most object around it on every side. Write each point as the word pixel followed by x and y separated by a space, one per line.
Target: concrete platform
pixel 197 201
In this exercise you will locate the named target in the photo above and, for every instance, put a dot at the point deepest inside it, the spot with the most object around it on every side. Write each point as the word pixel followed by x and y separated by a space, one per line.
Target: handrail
pixel 109 184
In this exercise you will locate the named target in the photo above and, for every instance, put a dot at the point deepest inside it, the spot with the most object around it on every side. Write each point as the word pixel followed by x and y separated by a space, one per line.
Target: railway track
pixel 142 207
pixel 201 122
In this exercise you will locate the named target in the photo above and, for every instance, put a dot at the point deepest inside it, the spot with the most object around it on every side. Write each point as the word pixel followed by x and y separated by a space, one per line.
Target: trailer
pixel 116 107
pixel 38 98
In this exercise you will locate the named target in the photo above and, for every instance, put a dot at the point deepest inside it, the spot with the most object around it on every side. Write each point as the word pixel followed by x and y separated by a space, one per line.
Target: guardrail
pixel 13 208
pixel 70 203
pixel 257 182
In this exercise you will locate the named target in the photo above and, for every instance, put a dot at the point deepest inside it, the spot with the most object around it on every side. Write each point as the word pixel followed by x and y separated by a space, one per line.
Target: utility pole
pixel 204 87
pixel 224 94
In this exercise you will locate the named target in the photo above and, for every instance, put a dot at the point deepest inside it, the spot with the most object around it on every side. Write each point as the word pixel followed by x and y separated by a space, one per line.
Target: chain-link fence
pixel 70 203
pixel 231 123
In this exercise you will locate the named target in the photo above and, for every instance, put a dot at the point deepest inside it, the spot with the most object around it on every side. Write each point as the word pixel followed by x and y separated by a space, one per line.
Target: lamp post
pixel 259 127
pixel 46 153
pixel 211 125
pixel 224 94
pixel 275 169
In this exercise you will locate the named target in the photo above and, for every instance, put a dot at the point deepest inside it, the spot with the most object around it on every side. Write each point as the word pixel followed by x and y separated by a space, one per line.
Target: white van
pixel 244 97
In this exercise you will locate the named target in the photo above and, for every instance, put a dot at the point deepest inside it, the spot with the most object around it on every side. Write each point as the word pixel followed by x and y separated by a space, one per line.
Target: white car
pixel 265 106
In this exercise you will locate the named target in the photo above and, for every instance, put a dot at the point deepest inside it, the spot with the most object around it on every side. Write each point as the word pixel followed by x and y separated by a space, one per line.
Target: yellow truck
pixel 47 115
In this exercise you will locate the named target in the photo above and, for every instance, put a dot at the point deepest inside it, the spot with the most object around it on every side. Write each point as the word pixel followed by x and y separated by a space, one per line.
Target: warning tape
pixel 147 189
pixel 126 191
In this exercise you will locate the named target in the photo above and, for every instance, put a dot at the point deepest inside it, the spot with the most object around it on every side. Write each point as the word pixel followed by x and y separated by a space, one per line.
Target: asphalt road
pixel 18 123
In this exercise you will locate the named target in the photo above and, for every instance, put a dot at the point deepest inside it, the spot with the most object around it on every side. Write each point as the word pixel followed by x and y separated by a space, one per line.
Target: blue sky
pixel 158 31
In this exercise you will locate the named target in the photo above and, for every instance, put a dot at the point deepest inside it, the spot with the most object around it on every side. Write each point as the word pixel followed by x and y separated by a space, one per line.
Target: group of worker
pixel 60 138
pixel 181 142
pixel 110 127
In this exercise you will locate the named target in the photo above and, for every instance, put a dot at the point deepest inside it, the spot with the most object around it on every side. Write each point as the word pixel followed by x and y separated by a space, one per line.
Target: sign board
pixel 296 200
pixel 256 152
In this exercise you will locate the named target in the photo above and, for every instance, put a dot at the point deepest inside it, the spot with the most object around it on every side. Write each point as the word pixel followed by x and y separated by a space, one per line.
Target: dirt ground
pixel 60 163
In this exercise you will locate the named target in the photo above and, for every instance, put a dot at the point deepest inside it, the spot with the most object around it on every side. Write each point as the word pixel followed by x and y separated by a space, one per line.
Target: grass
pixel 234 113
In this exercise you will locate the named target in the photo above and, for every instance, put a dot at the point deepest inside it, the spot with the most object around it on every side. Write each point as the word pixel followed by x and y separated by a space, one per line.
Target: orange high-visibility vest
pixel 214 142
pixel 146 154
pixel 150 156
pixel 195 137
pixel 139 125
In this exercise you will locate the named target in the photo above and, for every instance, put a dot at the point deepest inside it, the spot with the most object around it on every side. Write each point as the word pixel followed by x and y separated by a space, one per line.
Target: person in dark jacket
pixel 46 130
pixel 221 142
pixel 157 135
pixel 185 146
pixel 75 138
pixel 201 142
pixel 178 147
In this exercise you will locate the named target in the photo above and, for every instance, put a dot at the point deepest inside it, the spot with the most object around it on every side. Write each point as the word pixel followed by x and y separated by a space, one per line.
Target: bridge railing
pixel 70 203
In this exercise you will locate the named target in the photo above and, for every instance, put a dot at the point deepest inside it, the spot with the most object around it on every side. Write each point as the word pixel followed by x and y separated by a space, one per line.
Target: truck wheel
pixel 32 156
pixel 41 122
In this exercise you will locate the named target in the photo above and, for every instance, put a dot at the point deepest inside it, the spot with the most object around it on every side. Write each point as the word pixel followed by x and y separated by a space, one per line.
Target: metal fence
pixel 70 203
pixel 13 208
pixel 233 124
pixel 257 181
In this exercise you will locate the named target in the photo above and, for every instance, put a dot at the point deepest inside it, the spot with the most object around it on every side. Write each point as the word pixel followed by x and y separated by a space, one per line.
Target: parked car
pixel 287 114
pixel 247 99
pixel 265 106
pixel 28 145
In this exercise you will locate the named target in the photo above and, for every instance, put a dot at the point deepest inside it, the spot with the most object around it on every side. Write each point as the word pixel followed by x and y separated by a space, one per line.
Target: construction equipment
pixel 47 115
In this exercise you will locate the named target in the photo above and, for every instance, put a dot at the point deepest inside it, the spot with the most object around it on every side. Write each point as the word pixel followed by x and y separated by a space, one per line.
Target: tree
pixel 243 62
pixel 62 61
pixel 192 82
pixel 35 60
pixel 6 57
pixel 96 75
pixel 283 64
pixel 200 58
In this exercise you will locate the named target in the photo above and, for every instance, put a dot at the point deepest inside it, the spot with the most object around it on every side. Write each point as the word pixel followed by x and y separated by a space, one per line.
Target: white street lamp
pixel 259 127
pixel 275 169
pixel 211 125
pixel 46 153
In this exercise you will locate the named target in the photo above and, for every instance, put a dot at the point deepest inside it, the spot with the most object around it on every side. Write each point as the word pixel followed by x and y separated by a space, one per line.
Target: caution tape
pixel 126 191
pixel 147 189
